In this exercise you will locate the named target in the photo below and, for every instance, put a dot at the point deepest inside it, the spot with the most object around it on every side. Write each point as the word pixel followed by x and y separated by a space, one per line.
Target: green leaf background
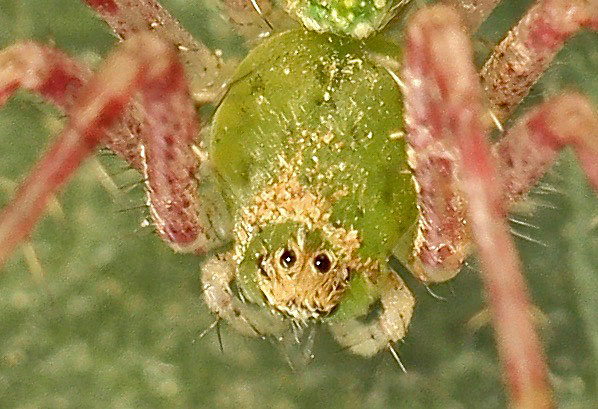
pixel 111 318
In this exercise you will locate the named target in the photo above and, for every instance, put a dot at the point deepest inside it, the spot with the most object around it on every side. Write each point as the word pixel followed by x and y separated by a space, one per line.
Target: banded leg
pixel 58 78
pixel 203 67
pixel 43 70
pixel 217 275
pixel 513 68
pixel 444 107
pixel 443 241
pixel 367 339
pixel 519 60
pixel 531 146
pixel 145 65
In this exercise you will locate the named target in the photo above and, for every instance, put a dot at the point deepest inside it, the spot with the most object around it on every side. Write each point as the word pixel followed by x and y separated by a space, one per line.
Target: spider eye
pixel 287 258
pixel 322 263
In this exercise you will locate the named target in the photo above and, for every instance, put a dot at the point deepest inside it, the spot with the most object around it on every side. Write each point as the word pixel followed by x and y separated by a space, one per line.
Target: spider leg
pixel 217 274
pixel 444 106
pixel 55 76
pixel 473 12
pixel 531 146
pixel 43 70
pixel 442 241
pixel 256 19
pixel 145 65
pixel 203 67
pixel 368 338
pixel 520 59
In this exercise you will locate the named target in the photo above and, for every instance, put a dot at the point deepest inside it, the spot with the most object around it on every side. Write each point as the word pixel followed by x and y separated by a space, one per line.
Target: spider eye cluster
pixel 303 282
pixel 321 262
pixel 355 18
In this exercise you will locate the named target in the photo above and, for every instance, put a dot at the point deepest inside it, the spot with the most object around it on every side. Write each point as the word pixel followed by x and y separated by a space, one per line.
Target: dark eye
pixel 322 263
pixel 287 258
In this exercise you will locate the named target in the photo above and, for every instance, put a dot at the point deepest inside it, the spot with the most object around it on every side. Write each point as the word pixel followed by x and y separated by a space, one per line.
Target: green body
pixel 356 18
pixel 325 106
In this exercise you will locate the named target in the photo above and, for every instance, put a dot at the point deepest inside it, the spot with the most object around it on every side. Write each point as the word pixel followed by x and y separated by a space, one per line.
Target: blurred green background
pixel 111 318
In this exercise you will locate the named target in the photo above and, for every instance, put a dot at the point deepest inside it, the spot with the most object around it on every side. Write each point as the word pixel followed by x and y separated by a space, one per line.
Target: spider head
pixel 355 18
pixel 296 270
pixel 302 283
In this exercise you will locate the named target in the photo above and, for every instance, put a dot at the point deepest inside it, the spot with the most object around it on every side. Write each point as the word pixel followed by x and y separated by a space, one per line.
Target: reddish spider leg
pixel 145 65
pixel 531 146
pixel 204 69
pixel 443 104
pixel 528 49
pixel 58 78
pixel 443 241
pixel 445 120
pixel 202 65
pixel 27 66
pixel 126 18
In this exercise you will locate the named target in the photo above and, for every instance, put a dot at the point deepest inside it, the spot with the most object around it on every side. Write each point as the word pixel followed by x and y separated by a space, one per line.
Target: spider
pixel 288 229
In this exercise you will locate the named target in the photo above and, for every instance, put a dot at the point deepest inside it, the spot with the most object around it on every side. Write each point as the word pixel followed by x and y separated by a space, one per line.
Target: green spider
pixel 317 214
pixel 330 151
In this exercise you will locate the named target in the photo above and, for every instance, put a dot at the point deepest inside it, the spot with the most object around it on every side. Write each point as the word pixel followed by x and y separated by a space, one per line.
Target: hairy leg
pixel 519 60
pixel 55 76
pixel 143 65
pixel 256 19
pixel 217 275
pixel 368 338
pixel 43 70
pixel 444 105
pixel 443 241
pixel 203 67
pixel 514 67
pixel 531 146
